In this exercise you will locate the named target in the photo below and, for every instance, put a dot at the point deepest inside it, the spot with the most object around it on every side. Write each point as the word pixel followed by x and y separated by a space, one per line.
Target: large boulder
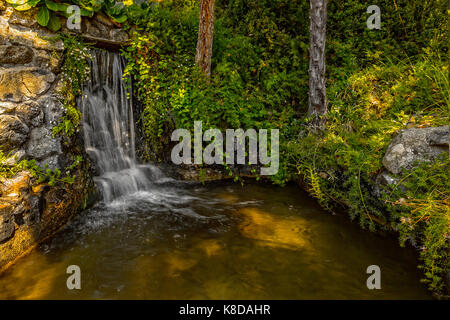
pixel 415 145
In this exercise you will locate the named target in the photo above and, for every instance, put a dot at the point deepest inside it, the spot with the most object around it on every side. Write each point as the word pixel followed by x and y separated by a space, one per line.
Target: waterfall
pixel 108 127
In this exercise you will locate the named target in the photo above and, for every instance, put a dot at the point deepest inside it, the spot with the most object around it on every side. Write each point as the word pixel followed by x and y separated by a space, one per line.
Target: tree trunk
pixel 205 36
pixel 317 87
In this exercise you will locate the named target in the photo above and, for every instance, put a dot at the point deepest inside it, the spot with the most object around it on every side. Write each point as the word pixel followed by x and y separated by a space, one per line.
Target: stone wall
pixel 30 61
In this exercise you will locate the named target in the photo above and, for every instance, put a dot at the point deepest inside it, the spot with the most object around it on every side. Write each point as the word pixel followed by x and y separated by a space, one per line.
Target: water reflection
pixel 184 241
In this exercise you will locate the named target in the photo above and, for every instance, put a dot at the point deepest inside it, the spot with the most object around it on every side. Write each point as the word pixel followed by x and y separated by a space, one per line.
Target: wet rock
pixel 53 110
pixel 17 185
pixel 415 145
pixel 15 54
pixel 13 132
pixel 102 31
pixel 118 35
pixel 42 144
pixel 94 29
pixel 27 211
pixel 6 221
pixel 21 84
pixel 51 163
pixel 30 113
pixel 7 107
pixel 383 179
pixel 439 137
pixel 47 60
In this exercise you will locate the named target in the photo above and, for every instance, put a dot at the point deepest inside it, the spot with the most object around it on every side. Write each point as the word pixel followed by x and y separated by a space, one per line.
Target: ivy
pixel 75 71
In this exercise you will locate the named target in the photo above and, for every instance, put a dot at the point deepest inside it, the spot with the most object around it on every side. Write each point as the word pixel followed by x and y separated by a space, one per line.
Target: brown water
pixel 184 241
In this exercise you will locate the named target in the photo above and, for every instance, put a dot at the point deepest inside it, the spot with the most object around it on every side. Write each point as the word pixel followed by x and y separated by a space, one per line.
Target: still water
pixel 219 241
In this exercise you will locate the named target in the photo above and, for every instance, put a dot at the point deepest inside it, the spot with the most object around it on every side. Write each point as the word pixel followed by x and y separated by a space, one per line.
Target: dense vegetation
pixel 379 81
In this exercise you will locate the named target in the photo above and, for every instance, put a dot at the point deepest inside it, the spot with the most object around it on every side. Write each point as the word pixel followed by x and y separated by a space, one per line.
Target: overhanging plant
pixel 49 12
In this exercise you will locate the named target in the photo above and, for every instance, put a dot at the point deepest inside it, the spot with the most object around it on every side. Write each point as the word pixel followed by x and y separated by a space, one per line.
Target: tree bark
pixel 205 36
pixel 317 87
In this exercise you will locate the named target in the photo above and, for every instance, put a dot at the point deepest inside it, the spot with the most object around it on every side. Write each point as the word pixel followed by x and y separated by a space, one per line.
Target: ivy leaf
pixel 54 23
pixel 120 19
pixel 43 16
pixel 33 3
pixel 86 13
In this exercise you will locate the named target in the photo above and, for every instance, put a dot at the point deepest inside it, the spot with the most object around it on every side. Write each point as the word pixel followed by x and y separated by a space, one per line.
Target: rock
pixel 29 37
pixel 13 132
pixel 53 110
pixel 24 18
pixel 21 84
pixel 7 107
pixel 30 113
pixel 118 35
pixel 15 54
pixel 94 29
pixel 51 163
pixel 27 211
pixel 42 144
pixel 17 185
pixel 101 30
pixel 415 145
pixel 6 221
pixel 439 137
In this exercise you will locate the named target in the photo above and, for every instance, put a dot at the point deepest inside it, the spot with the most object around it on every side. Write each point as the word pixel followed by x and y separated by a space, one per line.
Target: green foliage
pixel 366 109
pixel 49 12
pixel 251 87
pixel 378 82
pixel 7 171
pixel 51 177
pixel 421 212
pixel 75 71
pixel 56 177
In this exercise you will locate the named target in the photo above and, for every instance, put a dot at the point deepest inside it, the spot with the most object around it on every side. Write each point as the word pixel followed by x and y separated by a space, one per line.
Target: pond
pixel 216 241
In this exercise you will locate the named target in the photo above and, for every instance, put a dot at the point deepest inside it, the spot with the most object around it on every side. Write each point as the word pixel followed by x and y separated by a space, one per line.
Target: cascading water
pixel 108 126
